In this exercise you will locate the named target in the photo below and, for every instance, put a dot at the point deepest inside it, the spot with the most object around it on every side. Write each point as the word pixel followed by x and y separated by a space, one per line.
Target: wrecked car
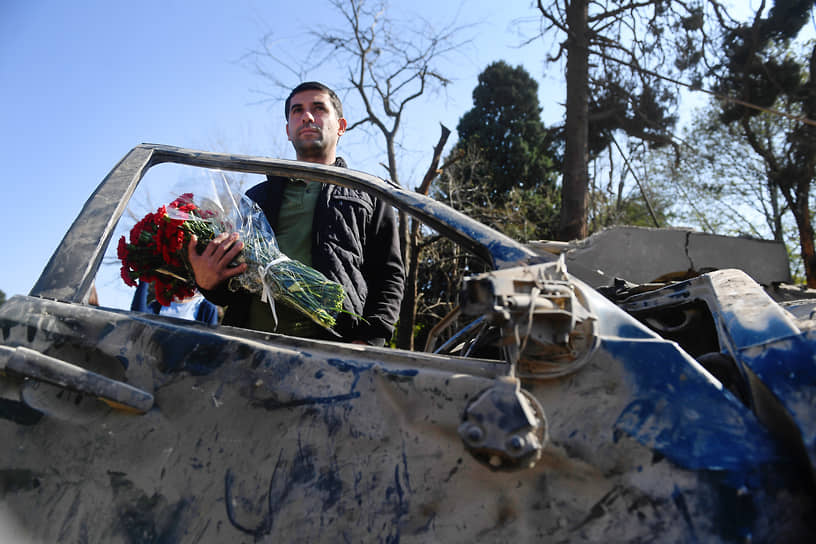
pixel 679 412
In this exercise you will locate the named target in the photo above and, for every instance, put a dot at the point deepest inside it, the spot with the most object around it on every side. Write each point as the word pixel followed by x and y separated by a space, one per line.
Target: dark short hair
pixel 315 86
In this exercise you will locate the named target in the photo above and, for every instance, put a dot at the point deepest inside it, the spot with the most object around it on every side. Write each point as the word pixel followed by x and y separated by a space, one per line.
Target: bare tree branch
pixel 389 66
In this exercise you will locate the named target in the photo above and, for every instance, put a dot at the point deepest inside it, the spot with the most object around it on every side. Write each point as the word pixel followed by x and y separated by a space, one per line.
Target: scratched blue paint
pixel 397 501
pixel 277 364
pixel 736 511
pixel 265 526
pixel 676 287
pixel 123 361
pixel 405 468
pixel 146 518
pixel 502 253
pixel 676 410
pixel 334 422
pixel 18 412
pixel 756 329
pixel 287 475
pixel 330 483
pixel 788 369
pixel 348 366
pixel 272 404
pixel 343 366
pixel 768 343
pixel 632 332
pixel 612 321
pixel 197 353
pixel 680 502
pixel 201 360
pixel 406 373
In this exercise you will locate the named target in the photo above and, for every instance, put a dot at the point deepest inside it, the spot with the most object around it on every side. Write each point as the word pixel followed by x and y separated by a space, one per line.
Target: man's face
pixel 314 127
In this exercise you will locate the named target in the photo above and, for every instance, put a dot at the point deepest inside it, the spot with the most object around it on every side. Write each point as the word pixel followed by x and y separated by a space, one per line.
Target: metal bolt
pixel 474 434
pixel 515 443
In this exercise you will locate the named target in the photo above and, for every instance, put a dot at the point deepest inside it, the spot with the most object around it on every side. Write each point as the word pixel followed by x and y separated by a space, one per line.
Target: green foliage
pixel 629 48
pixel 639 109
pixel 764 66
pixel 442 268
pixel 522 213
pixel 505 127
pixel 797 266
pixel 2 298
pixel 500 173
pixel 630 210
pixel 717 184
pixel 752 74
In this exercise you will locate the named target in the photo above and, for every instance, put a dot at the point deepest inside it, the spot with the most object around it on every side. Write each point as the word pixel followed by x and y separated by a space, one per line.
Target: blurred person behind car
pixel 194 308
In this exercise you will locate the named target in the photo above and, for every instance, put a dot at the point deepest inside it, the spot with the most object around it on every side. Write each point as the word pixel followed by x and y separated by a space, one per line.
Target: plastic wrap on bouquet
pixel 157 252
pixel 276 277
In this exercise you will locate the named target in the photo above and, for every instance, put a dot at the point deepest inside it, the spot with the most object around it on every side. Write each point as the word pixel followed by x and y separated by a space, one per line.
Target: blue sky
pixel 85 81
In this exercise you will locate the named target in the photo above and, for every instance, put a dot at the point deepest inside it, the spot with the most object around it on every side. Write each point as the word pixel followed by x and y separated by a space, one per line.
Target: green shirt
pixel 294 229
pixel 294 236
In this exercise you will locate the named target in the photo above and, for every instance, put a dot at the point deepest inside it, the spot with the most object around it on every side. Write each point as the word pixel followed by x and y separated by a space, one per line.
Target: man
pixel 348 235
pixel 195 307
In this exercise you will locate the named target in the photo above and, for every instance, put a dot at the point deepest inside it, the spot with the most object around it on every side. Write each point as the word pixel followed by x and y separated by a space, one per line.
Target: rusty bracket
pixel 504 427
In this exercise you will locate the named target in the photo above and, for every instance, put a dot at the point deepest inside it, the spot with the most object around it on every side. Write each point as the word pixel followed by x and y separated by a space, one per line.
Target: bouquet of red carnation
pixel 157 252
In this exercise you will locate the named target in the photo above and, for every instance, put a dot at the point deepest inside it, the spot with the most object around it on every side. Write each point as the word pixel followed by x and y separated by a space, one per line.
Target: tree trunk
pixel 779 234
pixel 800 172
pixel 575 183
pixel 405 244
pixel 407 320
pixel 805 226
pixel 403 229
pixel 806 157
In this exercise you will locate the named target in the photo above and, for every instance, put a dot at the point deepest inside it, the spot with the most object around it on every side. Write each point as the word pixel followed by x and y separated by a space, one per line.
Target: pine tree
pixel 505 127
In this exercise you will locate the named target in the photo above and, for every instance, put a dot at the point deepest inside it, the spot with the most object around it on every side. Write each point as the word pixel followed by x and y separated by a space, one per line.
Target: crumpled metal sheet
pixel 261 438
pixel 254 437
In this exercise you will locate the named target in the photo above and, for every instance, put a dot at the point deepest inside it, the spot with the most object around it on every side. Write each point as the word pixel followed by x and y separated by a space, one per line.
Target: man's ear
pixel 287 133
pixel 341 129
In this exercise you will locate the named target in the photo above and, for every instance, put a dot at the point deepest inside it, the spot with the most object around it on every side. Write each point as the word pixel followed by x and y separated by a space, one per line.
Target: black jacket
pixel 356 244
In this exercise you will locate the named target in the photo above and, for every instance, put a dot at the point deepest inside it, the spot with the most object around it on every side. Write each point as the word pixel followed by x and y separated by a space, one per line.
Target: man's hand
pixel 212 266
